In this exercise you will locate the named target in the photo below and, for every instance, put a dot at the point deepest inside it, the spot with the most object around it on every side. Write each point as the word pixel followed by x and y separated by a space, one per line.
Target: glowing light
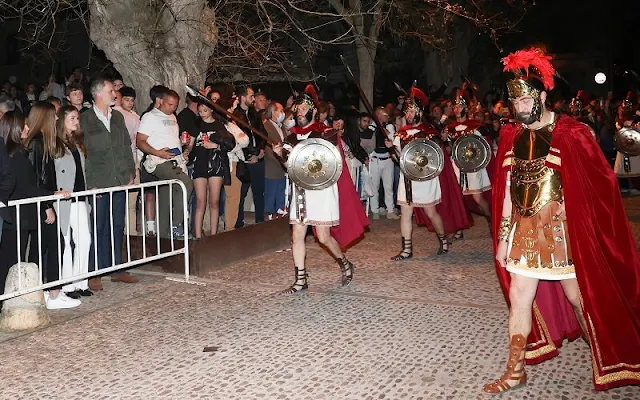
pixel 600 78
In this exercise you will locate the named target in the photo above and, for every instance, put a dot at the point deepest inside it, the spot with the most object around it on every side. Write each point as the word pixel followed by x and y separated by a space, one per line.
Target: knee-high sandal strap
pixel 406 252
pixel 515 374
pixel 300 283
pixel 346 268
pixel 444 244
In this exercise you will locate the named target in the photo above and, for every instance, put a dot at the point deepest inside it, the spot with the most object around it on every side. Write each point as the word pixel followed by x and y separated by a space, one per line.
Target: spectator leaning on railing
pixel 73 214
pixel 31 183
pixel 109 164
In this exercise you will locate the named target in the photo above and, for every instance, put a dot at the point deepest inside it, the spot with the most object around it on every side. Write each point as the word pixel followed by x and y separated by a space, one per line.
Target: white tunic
pixel 314 207
pixel 423 194
pixel 634 166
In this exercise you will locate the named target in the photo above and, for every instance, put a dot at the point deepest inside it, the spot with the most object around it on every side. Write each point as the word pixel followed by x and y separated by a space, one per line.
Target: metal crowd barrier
pixel 94 194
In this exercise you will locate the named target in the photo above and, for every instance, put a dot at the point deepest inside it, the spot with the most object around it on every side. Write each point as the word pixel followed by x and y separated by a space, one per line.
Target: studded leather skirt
pixel 539 246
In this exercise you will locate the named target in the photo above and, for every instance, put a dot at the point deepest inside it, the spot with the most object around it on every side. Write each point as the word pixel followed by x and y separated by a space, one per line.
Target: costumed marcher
pixel 335 212
pixel 476 186
pixel 565 255
pixel 627 166
pixel 437 203
pixel 578 111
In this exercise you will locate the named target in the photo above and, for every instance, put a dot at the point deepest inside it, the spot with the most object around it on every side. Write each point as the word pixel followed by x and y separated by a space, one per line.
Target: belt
pixel 381 158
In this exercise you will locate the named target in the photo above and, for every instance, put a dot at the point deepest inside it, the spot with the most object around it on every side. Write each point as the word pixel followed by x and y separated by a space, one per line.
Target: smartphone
pixel 175 151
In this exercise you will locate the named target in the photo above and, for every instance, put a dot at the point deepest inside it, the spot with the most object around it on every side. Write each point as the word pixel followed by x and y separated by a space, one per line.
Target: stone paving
pixel 429 328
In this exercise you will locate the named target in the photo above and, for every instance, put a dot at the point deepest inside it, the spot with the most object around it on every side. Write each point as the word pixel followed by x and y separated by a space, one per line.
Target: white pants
pixel 76 262
pixel 381 169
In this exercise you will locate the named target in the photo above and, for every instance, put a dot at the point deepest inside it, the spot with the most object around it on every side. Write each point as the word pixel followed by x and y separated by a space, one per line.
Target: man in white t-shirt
pixel 158 137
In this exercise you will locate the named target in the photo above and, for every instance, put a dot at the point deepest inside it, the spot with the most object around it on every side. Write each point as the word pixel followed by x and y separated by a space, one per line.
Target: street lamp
pixel 600 78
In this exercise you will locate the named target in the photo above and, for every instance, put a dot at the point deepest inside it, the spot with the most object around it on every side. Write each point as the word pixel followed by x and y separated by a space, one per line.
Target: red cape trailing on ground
pixel 604 252
pixel 353 219
pixel 451 208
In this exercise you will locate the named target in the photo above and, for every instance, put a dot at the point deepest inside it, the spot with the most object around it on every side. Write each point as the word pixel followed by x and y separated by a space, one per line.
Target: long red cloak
pixel 604 253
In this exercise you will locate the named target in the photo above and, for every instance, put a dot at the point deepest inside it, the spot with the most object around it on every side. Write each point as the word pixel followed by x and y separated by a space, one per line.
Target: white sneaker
pixel 375 215
pixel 382 210
pixel 61 302
pixel 392 215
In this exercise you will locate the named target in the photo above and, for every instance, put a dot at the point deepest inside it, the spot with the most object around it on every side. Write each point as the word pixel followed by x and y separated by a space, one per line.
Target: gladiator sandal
pixel 515 368
pixel 458 236
pixel 444 244
pixel 346 268
pixel 300 283
pixel 407 251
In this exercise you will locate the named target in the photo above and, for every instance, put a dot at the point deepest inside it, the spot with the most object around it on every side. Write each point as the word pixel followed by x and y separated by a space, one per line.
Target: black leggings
pixel 9 255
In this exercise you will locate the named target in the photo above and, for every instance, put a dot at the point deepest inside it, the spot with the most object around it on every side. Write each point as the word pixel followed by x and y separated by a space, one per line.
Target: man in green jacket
pixel 109 163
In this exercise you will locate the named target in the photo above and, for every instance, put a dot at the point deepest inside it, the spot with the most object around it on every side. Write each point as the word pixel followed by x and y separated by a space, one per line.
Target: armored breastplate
pixel 533 184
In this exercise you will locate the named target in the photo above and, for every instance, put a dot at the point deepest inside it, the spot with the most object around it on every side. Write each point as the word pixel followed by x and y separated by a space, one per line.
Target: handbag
pixel 242 172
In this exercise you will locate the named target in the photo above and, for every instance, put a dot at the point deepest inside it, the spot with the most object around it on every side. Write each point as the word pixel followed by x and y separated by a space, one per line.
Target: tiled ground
pixel 429 328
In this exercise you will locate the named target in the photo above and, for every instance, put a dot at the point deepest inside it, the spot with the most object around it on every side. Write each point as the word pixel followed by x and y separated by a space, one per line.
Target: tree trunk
pixel 153 42
pixel 367 73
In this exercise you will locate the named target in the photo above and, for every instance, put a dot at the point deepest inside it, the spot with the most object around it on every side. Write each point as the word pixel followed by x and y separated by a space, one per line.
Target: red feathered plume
pixel 420 96
pixel 533 57
pixel 311 91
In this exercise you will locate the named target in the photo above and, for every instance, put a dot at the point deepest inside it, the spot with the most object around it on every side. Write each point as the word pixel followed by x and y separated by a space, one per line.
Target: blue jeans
pixel 256 171
pixel 103 230
pixel 274 190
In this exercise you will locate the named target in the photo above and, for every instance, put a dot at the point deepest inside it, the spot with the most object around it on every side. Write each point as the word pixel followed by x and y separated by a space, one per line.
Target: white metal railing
pixel 94 194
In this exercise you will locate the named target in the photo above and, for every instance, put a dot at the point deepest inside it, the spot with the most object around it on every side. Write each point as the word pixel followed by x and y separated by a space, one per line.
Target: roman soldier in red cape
pixel 335 212
pixel 475 186
pixel 627 166
pixel 565 254
pixel 437 202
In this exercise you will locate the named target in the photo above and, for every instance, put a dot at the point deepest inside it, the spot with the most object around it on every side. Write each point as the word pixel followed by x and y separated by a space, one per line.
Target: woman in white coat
pixel 73 214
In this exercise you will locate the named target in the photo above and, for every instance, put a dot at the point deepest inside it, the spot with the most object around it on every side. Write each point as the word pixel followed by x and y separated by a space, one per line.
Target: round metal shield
pixel 421 160
pixel 471 153
pixel 314 164
pixel 627 141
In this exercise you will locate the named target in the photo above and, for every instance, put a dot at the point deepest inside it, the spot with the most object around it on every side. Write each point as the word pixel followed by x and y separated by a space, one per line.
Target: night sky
pixel 582 26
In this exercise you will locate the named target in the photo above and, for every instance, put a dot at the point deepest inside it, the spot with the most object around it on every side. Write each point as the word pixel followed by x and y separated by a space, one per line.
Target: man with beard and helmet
pixel 335 212
pixel 562 240
pixel 437 202
pixel 476 185
pixel 627 166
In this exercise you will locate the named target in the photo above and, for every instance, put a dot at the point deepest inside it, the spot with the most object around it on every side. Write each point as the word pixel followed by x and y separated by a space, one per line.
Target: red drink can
pixel 205 138
pixel 184 137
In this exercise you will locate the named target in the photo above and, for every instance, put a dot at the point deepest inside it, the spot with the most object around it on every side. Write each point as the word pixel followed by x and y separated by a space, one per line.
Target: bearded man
pixel 563 242
pixel 335 212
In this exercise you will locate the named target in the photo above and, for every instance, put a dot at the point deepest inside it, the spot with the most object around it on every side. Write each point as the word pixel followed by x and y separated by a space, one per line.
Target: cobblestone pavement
pixel 429 328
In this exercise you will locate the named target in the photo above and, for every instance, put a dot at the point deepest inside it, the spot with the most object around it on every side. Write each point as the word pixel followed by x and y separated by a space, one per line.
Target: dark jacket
pixel 109 159
pixel 28 184
pixel 273 165
pixel 45 171
pixel 7 183
pixel 256 143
